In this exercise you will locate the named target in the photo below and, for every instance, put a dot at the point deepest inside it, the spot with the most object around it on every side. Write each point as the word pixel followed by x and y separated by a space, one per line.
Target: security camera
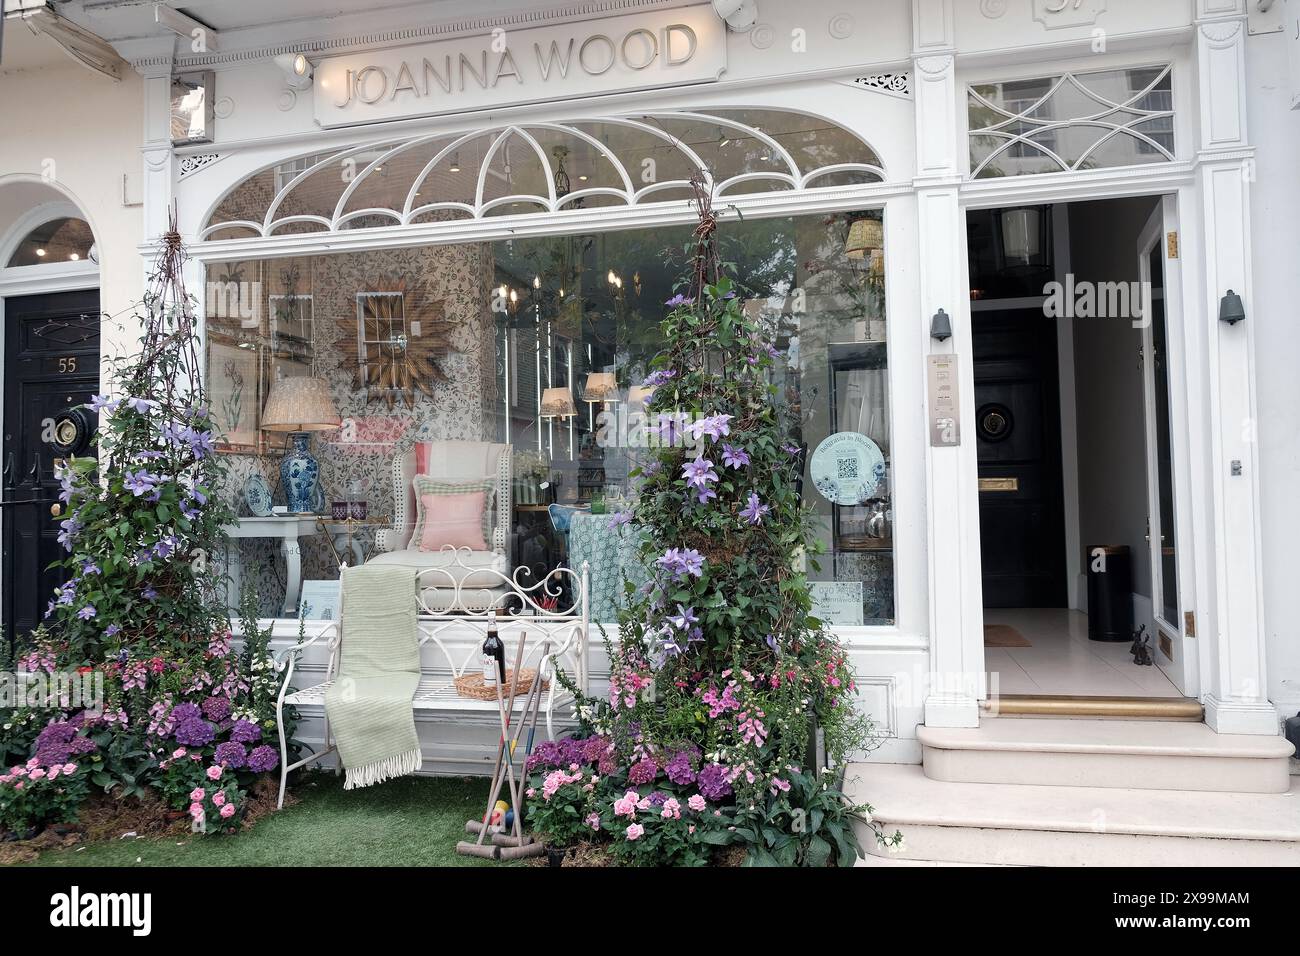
pixel 739 14
pixel 297 69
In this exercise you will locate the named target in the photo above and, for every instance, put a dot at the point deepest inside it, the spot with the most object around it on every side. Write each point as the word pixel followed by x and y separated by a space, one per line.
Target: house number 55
pixel 68 364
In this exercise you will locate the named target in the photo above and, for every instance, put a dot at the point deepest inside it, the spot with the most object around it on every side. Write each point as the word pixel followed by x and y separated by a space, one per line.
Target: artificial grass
pixel 411 821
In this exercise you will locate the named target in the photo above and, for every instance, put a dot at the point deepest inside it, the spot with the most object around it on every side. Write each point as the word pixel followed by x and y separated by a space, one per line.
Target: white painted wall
pixel 1275 246
pixel 76 132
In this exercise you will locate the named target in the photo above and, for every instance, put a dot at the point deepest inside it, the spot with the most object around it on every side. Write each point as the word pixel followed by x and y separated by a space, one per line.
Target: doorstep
pixel 1025 825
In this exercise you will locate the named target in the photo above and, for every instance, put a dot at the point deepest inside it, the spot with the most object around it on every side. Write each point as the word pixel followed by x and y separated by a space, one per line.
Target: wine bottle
pixel 494 654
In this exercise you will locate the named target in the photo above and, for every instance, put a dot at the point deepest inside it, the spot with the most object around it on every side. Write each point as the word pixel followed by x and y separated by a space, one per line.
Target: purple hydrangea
pixel 263 759
pixel 712 781
pixel 194 732
pixel 216 709
pixel 642 772
pixel 245 732
pixel 58 741
pixel 231 754
pixel 679 769
pixel 187 711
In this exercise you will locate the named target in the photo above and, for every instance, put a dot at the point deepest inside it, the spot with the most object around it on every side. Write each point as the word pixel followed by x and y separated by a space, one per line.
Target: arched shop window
pixel 542 343
pixel 539 168
pixel 65 239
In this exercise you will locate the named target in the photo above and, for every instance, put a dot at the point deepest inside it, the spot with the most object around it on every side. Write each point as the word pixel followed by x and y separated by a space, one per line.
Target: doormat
pixel 1004 635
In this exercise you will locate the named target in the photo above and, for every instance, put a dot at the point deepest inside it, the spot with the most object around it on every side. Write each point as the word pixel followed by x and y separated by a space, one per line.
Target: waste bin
pixel 1110 592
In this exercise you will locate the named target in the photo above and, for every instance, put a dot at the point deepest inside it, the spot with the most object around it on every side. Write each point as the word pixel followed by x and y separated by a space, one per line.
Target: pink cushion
pixel 455 520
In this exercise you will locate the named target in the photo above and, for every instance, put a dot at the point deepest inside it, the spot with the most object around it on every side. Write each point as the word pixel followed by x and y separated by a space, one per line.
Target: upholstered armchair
pixel 476 574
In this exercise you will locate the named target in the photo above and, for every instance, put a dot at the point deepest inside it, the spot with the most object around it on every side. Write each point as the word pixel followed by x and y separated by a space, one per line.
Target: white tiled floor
pixel 1063 661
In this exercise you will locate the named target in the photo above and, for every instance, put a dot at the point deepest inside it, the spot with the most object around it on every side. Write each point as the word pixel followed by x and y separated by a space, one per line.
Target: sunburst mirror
pixel 398 340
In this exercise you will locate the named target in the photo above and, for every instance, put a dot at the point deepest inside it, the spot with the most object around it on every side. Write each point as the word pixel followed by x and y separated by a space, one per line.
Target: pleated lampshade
pixel 300 404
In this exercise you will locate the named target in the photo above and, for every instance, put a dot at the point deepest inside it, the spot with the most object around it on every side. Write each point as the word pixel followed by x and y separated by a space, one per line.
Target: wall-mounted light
pixel 297 70
pixel 1230 308
pixel 941 326
pixel 740 15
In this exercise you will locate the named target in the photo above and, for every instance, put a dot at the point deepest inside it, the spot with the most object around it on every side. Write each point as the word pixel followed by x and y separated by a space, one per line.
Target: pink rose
pixel 219 798
pixel 54 772
pixel 178 753
pixel 196 811
pixel 18 785
pixel 69 768
pixel 696 803
pixel 197 795
pixel 38 773
pixel 33 764
pixel 635 831
pixel 228 811
pixel 214 772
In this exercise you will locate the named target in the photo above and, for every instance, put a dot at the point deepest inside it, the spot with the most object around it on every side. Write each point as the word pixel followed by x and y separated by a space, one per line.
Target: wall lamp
pixel 297 69
pixel 1230 308
pixel 941 326
pixel 740 15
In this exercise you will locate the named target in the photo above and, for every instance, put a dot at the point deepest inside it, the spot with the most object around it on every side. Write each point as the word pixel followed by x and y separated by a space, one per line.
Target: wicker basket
pixel 471 685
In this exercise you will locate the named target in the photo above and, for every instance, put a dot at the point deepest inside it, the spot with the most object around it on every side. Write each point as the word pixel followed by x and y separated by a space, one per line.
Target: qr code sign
pixel 847 468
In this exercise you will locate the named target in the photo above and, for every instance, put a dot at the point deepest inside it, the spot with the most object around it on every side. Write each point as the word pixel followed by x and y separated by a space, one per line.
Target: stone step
pixel 1065 752
pixel 1019 825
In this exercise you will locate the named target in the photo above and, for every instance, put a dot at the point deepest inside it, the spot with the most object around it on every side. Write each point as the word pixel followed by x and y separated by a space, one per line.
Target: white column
pixel 1235 687
pixel 157 188
pixel 956 612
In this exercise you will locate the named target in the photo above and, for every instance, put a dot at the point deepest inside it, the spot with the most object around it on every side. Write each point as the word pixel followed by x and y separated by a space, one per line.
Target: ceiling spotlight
pixel 455 162
pixel 537 282
pixel 40 252
pixel 297 70
pixel 74 257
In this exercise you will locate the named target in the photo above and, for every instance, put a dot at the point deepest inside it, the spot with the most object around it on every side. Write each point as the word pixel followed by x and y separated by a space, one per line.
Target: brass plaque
pixel 999 484
pixel 1166 646
pixel 1172 239
pixel 1189 623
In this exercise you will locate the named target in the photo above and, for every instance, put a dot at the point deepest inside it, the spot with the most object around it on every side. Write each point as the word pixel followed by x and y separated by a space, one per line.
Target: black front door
pixel 1018 437
pixel 51 364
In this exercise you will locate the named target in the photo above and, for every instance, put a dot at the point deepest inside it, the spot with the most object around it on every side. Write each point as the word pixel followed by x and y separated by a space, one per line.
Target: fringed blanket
pixel 369 705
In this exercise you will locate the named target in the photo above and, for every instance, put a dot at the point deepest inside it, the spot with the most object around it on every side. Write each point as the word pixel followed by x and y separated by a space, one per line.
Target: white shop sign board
pixel 511 67
pixel 837 602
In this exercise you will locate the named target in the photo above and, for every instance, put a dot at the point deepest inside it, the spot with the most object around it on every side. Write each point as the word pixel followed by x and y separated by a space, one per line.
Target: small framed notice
pixel 837 602
pixel 944 400
pixel 319 601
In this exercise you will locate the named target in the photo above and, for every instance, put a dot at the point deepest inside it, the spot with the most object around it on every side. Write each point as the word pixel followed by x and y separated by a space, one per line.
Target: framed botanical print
pixel 235 392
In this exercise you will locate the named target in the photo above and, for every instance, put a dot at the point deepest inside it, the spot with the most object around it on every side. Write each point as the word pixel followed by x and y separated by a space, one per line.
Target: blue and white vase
pixel 298 475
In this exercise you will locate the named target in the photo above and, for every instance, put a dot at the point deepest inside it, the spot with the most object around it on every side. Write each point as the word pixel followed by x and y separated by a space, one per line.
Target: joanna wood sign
pixel 665 48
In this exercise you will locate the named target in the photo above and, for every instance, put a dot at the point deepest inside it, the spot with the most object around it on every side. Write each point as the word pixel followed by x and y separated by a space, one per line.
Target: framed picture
pixel 290 324
pixel 235 393
pixel 319 601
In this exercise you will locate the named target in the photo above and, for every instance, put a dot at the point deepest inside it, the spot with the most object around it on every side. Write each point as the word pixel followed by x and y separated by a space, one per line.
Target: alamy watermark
pixel 65 690
pixel 1084 299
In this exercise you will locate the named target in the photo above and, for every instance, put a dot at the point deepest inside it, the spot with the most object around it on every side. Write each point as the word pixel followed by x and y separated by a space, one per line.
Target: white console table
pixel 288 528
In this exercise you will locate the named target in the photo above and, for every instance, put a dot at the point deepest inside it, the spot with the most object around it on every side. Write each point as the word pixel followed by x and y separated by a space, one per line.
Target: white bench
pixel 554 636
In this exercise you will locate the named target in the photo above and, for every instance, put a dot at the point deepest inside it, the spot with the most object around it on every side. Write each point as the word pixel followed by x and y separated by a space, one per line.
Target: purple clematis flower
pixel 714 426
pixel 87 612
pixel 101 403
pixel 684 619
pixel 661 377
pixel 679 299
pixel 619 518
pixel 733 456
pixel 754 511
pixel 141 482
pixel 699 473
pixel 141 405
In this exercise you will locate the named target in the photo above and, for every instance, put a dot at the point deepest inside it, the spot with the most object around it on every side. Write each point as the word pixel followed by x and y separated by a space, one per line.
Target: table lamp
pixel 299 406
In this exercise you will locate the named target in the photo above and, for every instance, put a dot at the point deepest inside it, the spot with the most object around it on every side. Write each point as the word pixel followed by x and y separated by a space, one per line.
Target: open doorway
pixel 1070 318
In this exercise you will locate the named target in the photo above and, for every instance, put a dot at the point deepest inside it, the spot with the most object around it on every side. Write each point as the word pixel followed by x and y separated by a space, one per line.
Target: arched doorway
pixel 49 306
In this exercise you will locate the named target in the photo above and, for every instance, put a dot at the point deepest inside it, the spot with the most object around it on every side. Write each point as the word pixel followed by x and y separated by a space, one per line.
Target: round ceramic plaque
pixel 847 468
